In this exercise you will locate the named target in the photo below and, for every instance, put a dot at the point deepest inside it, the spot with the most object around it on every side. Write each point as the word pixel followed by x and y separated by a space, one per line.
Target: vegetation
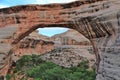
pixel 38 69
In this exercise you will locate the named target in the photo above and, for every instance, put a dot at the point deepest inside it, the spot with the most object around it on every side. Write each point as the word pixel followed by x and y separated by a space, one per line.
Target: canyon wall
pixel 97 20
pixel 34 43
pixel 71 37
pixel 6 51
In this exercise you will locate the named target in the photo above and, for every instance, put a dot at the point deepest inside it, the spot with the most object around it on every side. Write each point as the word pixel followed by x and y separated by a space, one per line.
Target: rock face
pixel 71 37
pixel 70 56
pixel 97 20
pixel 35 43
pixel 6 34
pixel 32 44
pixel 5 49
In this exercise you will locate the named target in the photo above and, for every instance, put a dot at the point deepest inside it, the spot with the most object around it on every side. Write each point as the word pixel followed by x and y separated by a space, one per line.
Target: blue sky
pixel 44 31
pixel 19 2
pixel 52 31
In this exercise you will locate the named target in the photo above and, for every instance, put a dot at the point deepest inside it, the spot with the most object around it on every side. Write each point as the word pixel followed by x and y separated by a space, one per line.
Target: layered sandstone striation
pixel 35 43
pixel 5 59
pixel 71 37
pixel 97 20
pixel 6 34
pixel 32 44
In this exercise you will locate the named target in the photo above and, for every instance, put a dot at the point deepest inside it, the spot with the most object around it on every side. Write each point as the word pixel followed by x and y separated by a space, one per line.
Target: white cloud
pixel 3 6
pixel 19 2
pixel 52 1
pixel 60 1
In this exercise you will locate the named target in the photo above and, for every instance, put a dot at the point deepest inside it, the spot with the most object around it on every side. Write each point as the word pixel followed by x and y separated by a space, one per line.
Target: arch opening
pixel 64 40
pixel 97 23
pixel 52 31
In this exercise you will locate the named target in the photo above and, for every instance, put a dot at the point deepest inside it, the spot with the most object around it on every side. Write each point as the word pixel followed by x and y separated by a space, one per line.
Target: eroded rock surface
pixel 35 43
pixel 5 50
pixel 110 58
pixel 69 56
pixel 71 37
pixel 93 18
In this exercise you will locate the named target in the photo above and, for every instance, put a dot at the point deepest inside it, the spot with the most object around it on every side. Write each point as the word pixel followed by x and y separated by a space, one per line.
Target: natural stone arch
pixel 97 20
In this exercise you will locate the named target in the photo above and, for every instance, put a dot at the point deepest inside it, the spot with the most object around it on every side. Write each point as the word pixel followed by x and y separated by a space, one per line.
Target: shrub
pixel 44 70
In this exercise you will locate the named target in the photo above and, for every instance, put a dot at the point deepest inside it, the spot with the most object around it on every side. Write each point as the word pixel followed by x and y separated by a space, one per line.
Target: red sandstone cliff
pixel 35 43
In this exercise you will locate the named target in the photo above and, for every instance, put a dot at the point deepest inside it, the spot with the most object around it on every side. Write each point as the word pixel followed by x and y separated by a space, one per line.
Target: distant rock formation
pixel 71 37
pixel 35 43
